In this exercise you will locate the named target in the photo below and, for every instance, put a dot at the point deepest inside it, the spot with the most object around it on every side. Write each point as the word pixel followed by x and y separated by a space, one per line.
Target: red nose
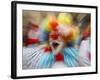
pixel 54 35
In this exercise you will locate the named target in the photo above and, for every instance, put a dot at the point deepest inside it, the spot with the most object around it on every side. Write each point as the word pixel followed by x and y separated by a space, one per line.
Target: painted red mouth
pixel 55 45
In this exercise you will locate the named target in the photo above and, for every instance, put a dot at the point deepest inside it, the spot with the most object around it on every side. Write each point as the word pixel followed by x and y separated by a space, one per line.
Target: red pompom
pixel 59 57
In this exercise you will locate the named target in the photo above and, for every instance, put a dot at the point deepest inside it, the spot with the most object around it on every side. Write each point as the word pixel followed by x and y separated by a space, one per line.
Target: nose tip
pixel 54 35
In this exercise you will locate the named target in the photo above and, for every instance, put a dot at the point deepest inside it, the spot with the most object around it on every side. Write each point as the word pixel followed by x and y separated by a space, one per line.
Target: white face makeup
pixel 56 42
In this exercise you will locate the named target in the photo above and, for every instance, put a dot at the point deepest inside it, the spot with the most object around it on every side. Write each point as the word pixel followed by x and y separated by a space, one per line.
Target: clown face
pixel 56 42
pixel 60 37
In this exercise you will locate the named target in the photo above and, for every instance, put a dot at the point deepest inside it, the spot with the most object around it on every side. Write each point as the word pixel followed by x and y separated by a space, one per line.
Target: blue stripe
pixel 70 57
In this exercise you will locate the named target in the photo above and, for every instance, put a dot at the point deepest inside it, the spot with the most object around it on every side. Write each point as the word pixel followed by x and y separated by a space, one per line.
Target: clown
pixel 54 44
